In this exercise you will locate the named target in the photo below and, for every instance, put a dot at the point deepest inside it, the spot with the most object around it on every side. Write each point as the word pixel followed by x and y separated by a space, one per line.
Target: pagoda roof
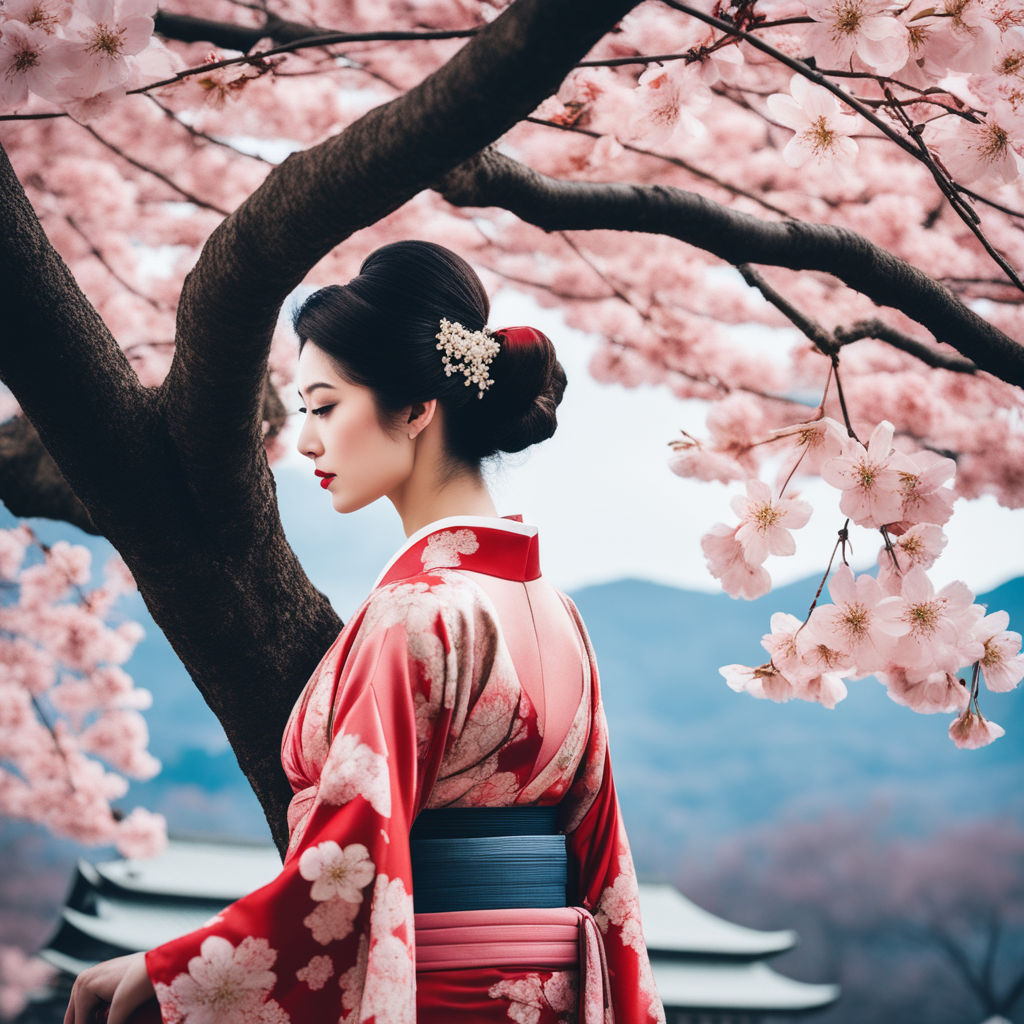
pixel 675 924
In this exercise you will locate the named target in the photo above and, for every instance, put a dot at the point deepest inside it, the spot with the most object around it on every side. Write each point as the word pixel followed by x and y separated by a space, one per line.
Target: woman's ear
pixel 420 414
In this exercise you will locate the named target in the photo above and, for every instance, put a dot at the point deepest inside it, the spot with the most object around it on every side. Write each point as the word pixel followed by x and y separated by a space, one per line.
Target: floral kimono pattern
pixel 418 704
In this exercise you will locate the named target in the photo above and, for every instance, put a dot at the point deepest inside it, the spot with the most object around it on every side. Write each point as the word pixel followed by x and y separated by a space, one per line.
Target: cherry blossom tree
pixel 918 928
pixel 846 176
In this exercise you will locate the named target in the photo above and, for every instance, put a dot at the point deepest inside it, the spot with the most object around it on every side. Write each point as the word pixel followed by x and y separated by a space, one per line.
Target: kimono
pixel 464 679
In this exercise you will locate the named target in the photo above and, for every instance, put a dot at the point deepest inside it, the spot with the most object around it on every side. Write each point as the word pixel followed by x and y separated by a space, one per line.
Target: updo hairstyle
pixel 380 330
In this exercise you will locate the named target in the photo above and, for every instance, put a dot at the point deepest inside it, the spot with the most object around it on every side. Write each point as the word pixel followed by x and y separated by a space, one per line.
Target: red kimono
pixel 463 680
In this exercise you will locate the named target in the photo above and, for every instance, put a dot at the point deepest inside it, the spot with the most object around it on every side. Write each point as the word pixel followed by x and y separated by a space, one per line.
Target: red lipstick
pixel 327 477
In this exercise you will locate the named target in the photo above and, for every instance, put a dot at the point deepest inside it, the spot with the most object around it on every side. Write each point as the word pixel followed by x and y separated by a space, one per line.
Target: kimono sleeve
pixel 606 879
pixel 332 936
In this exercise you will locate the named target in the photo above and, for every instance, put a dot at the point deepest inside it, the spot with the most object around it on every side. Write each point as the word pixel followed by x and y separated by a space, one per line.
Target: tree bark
pixel 176 476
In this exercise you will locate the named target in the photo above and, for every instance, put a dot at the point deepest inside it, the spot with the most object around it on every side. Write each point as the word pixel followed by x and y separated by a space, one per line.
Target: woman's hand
pixel 122 982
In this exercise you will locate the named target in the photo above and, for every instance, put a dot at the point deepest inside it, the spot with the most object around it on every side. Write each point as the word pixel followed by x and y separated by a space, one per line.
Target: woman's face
pixel 342 436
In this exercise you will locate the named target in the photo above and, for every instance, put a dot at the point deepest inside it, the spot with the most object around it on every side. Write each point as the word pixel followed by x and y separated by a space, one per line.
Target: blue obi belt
pixel 488 858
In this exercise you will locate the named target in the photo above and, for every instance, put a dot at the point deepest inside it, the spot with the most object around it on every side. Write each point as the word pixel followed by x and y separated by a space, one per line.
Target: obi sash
pixel 486 858
pixel 555 938
pixel 491 887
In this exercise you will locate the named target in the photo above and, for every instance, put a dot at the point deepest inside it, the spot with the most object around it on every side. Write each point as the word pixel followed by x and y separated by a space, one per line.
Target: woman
pixel 452 740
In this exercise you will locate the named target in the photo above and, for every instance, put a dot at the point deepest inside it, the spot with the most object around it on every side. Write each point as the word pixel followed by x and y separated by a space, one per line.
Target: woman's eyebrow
pixel 313 387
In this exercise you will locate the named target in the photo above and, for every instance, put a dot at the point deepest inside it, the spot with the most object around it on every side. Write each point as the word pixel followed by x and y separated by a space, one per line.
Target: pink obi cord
pixel 544 938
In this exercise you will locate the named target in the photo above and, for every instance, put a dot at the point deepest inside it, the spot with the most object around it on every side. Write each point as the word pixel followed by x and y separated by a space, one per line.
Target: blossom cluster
pixel 82 55
pixel 895 624
pixel 66 704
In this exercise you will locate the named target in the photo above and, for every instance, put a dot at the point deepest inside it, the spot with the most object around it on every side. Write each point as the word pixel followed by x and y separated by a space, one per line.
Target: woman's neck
pixel 463 496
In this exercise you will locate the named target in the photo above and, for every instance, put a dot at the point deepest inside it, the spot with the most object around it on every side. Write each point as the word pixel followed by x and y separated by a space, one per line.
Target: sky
pixel 605 502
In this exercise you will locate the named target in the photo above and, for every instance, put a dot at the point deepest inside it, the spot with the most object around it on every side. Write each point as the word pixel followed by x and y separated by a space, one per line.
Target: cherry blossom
pixel 980 152
pixel 1002 664
pixel 870 477
pixel 764 681
pixel 337 873
pixel 971 731
pixel 926 693
pixel 317 972
pixel 20 976
pixel 925 500
pixel 822 130
pixel 765 522
pixel 726 561
pixel 919 546
pixel 850 624
pixel 867 29
pixel 354 769
pixel 668 100
pixel 225 985
pixel 102 35
pixel 26 64
pixel 935 631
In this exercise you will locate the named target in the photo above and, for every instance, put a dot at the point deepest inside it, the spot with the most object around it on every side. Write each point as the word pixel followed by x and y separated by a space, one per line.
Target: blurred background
pixel 897 858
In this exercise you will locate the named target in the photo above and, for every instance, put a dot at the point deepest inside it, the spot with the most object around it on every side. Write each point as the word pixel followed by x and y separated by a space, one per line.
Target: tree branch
pixel 883 332
pixel 30 482
pixel 492 179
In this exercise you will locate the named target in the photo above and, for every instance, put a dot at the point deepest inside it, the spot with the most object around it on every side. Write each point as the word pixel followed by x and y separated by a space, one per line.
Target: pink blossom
pixel 963 35
pixel 20 975
pixel 867 29
pixel 822 131
pixel 850 623
pixel 925 500
pixel 822 654
pixel 73 561
pixel 669 99
pixel 781 644
pixel 813 443
pixel 317 972
pixel 870 478
pixel 971 731
pixel 101 37
pixel 141 834
pixel 726 562
pixel 765 681
pixel 41 15
pixel 826 689
pixel 1002 663
pixel 336 873
pixel 26 64
pixel 13 544
pixel 985 152
pixel 787 645
pixel 691 459
pixel 935 631
pixel 927 693
pixel 919 546
pixel 226 985
pixel 765 522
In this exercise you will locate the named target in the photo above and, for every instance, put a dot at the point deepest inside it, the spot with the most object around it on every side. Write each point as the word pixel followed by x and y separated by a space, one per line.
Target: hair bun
pixel 518 410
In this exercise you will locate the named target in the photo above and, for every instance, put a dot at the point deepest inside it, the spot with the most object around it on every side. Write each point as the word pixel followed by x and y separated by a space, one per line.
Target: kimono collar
pixel 505 547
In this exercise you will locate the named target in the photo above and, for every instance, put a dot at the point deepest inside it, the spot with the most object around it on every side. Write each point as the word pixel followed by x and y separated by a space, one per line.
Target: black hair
pixel 380 330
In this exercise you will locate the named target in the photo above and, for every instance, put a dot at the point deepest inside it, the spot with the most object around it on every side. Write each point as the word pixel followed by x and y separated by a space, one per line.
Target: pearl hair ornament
pixel 468 351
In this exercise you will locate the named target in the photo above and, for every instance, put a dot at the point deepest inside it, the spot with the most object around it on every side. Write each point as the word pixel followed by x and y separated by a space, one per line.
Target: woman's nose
pixel 307 442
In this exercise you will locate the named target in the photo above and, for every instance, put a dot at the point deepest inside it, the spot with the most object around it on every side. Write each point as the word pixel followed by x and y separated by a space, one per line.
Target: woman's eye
pixel 323 410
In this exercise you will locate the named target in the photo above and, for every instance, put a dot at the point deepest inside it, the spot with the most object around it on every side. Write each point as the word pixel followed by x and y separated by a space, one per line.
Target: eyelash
pixel 321 411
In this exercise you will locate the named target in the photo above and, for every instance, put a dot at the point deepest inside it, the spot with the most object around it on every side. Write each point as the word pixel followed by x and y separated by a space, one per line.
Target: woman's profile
pixel 456 848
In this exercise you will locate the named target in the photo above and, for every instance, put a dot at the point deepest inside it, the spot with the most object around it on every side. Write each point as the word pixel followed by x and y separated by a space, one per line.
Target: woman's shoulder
pixel 431 599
